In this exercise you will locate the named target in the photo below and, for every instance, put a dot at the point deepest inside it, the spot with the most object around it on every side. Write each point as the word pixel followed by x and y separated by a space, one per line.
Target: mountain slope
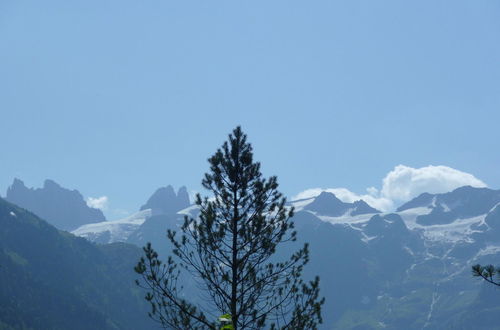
pixel 113 231
pixel 53 280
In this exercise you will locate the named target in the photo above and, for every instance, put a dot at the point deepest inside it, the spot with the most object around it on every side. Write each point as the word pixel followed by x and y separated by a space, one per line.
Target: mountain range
pixel 408 269
pixel 66 209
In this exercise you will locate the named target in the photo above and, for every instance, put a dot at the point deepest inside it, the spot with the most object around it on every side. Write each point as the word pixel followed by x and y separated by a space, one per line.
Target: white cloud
pixel 372 191
pixel 402 184
pixel 98 202
pixel 309 193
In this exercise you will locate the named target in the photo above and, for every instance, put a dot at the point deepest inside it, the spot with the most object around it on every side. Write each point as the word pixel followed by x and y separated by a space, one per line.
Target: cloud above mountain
pixel 98 202
pixel 402 184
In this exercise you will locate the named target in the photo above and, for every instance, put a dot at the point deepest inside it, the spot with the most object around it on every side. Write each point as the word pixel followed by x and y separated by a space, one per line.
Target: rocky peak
pixel 17 184
pixel 17 187
pixel 422 200
pixel 50 184
pixel 361 207
pixel 328 204
pixel 66 209
pixel 165 201
pixel 183 197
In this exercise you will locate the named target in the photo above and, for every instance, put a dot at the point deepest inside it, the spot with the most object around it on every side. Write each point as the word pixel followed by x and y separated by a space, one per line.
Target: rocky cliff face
pixel 66 209
pixel 166 201
pixel 152 219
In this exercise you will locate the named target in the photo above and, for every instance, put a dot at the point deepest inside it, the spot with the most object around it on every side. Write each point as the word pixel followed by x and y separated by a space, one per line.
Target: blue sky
pixel 118 98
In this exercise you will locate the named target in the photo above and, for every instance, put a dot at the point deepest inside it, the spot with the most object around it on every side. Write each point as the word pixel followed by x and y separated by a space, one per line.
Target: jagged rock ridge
pixel 66 209
pixel 161 206
pixel 461 203
pixel 328 204
pixel 166 201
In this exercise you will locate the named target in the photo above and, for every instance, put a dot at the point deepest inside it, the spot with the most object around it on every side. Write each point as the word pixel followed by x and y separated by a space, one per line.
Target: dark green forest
pixel 50 279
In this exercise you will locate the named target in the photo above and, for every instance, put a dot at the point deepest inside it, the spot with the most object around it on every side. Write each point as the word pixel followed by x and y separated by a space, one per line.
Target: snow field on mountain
pixel 119 230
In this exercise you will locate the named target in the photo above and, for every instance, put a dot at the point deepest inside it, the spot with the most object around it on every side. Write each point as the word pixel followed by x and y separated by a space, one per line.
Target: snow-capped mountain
pixel 406 269
pixel 327 204
pixel 113 231
pixel 166 201
pixel 456 216
pixel 163 203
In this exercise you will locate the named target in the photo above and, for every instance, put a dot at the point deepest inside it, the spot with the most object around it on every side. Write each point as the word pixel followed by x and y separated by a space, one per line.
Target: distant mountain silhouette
pixel 165 201
pixel 163 204
pixel 328 204
pixel 66 209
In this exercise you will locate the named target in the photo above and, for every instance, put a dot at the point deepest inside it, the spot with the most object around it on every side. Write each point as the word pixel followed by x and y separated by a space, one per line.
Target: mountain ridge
pixel 60 281
pixel 326 203
pixel 388 261
pixel 66 209
pixel 163 204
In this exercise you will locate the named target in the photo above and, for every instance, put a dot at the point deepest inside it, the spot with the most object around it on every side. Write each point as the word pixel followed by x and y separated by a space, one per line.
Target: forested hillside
pixel 51 279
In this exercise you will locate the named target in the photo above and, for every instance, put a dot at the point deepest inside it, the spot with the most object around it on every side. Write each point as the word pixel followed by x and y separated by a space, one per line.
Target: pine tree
pixel 487 273
pixel 230 247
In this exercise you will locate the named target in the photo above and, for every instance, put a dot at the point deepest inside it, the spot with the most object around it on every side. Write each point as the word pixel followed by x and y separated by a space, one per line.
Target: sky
pixel 118 98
